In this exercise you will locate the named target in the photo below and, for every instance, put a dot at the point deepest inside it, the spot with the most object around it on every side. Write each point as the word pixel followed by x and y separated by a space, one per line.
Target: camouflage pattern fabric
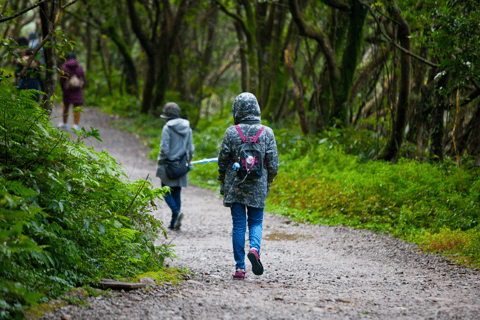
pixel 246 113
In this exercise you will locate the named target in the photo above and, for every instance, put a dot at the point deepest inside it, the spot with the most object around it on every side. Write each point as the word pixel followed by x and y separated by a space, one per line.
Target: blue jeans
pixel 173 200
pixel 239 217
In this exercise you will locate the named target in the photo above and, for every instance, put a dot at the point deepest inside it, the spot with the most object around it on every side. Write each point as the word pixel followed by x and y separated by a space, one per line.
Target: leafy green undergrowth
pixel 68 215
pixel 419 202
pixel 330 179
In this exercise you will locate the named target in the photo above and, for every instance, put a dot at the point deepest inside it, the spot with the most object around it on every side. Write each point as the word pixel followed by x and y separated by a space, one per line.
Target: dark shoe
pixel 178 221
pixel 253 256
pixel 170 228
pixel 239 274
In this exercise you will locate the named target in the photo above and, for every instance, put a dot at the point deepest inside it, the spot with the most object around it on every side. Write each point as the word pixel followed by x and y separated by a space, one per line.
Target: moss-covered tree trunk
pixel 149 48
pixel 263 25
pixel 277 75
pixel 48 14
pixel 438 129
pixel 351 55
pixel 393 147
pixel 243 56
pixel 170 31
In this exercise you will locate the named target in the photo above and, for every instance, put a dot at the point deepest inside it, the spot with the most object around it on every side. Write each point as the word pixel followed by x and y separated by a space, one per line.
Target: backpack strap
pixel 241 133
pixel 258 135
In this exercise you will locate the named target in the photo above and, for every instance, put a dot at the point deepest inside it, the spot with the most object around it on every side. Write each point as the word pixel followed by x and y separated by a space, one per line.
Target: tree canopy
pixel 405 70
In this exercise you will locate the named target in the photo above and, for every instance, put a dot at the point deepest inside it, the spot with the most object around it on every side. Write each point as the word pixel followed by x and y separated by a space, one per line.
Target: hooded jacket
pixel 72 95
pixel 246 114
pixel 176 140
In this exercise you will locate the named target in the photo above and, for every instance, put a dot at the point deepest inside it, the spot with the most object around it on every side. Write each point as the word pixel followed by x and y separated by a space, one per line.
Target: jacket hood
pixel 180 126
pixel 246 109
pixel 71 63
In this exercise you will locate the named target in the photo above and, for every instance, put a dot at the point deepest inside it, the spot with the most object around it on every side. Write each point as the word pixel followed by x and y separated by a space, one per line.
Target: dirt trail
pixel 311 272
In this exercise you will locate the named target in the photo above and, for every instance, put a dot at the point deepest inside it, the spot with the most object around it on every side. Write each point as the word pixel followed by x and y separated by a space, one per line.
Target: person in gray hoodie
pixel 176 140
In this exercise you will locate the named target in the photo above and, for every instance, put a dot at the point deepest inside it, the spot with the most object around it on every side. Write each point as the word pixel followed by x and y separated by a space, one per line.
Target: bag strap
pixel 258 135
pixel 241 133
pixel 243 137
pixel 187 145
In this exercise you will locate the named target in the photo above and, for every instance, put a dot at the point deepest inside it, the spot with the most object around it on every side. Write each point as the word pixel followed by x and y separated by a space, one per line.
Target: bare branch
pixel 318 35
pixel 236 17
pixel 69 4
pixel 298 89
pixel 217 73
pixel 21 12
pixel 4 8
pixel 27 21
pixel 135 23
pixel 394 43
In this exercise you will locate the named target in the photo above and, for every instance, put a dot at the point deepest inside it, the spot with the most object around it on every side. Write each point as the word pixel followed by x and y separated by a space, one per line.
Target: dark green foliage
pixel 68 216
pixel 456 28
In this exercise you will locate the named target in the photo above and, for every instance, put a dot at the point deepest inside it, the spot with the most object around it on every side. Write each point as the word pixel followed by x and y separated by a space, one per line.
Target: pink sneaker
pixel 239 274
pixel 254 257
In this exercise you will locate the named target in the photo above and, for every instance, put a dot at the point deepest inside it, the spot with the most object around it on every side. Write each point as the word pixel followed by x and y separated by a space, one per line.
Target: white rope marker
pixel 205 161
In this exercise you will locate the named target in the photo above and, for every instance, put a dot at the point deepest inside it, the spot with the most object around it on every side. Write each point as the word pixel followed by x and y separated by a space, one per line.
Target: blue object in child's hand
pixel 236 166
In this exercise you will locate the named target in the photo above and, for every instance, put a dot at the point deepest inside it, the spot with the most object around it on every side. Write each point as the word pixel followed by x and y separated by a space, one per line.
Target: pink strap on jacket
pixel 244 140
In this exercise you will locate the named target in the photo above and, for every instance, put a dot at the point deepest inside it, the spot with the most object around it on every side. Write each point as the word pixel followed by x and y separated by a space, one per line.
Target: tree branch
pixel 367 71
pixel 68 4
pixel 298 90
pixel 236 17
pixel 21 12
pixel 136 195
pixel 316 34
pixel 168 8
pixel 472 96
pixel 137 29
pixel 183 7
pixel 394 43
pixel 337 5
pixel 4 8
pixel 157 20
pixel 216 74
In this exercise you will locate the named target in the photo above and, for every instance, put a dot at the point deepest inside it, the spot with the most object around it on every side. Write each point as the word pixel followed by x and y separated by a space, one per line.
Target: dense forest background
pixel 406 71
pixel 374 106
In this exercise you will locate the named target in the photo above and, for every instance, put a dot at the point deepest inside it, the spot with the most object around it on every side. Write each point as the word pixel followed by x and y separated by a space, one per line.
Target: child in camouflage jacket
pixel 246 199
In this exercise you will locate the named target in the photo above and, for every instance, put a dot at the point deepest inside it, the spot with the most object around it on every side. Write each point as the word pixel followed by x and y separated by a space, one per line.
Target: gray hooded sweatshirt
pixel 176 140
pixel 246 113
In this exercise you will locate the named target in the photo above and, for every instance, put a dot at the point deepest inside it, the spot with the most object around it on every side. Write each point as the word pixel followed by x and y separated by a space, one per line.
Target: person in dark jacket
pixel 176 140
pixel 72 82
pixel 246 199
pixel 31 79
pixel 33 42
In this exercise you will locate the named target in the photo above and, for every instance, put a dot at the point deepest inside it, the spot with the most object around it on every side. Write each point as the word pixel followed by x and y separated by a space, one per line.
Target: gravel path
pixel 311 272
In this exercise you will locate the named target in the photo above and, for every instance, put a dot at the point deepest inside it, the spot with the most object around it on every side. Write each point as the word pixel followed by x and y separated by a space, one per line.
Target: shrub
pixel 68 216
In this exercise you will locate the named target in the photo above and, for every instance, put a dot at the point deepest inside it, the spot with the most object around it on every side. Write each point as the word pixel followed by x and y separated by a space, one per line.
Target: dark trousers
pixel 173 200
